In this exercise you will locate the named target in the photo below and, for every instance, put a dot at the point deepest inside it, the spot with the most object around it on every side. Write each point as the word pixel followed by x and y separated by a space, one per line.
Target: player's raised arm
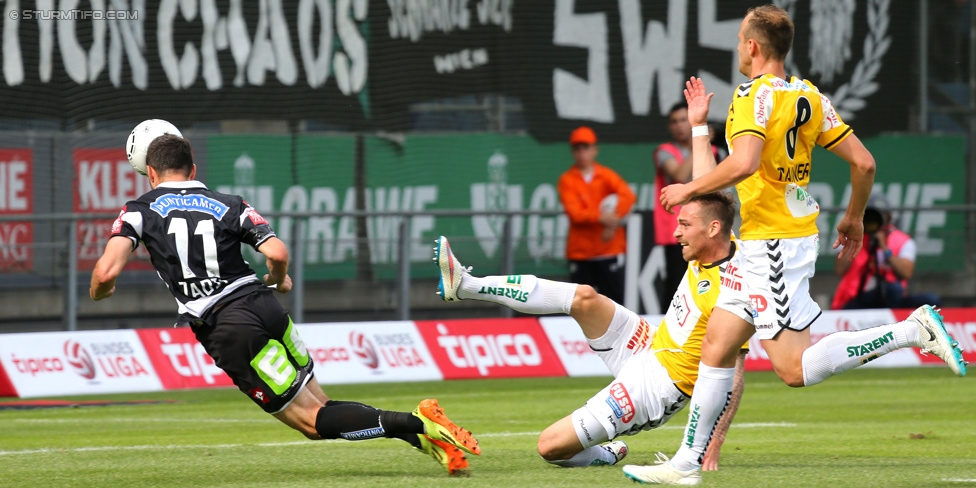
pixel 703 160
pixel 109 267
pixel 276 253
pixel 742 163
pixel 850 229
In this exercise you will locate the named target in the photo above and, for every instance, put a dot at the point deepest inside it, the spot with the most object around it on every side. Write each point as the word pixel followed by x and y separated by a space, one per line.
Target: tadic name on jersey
pixel 202 288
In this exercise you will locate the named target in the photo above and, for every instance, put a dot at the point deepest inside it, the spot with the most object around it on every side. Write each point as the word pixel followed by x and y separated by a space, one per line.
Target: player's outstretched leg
pixel 450 457
pixel 662 473
pixel 427 428
pixel 842 351
pixel 440 428
pixel 523 293
pixel 936 340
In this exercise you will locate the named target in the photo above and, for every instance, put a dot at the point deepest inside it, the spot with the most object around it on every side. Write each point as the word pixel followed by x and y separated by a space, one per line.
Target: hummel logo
pixel 743 90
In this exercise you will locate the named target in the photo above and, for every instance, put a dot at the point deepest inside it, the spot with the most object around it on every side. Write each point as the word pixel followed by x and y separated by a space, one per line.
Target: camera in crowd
pixel 876 216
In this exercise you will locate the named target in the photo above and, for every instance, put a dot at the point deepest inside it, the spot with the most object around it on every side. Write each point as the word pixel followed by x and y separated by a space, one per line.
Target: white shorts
pixel 642 395
pixel 767 283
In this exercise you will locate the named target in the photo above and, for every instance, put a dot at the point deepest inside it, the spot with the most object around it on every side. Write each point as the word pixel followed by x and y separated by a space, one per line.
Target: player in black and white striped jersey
pixel 194 237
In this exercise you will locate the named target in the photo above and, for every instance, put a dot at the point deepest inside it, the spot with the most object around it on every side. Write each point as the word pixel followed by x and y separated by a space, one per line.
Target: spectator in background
pixel 596 199
pixel 670 168
pixel 716 132
pixel 878 276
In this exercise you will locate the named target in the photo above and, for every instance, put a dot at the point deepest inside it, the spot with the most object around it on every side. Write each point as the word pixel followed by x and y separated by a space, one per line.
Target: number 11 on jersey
pixel 205 228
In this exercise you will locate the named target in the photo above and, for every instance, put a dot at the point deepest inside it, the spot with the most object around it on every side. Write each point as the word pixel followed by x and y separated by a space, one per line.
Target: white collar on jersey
pixel 181 184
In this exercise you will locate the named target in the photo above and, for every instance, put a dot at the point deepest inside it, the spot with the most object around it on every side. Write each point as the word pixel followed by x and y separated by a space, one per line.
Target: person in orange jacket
pixel 596 199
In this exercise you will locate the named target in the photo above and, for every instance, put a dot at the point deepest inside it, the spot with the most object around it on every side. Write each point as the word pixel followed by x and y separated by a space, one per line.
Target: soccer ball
pixel 138 142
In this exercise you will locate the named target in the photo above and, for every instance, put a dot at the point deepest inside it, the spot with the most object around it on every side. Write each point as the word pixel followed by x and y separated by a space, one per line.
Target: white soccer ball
pixel 138 142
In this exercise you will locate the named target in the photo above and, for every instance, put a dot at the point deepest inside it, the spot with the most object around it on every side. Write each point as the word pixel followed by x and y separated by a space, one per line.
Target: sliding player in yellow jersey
pixel 773 124
pixel 654 371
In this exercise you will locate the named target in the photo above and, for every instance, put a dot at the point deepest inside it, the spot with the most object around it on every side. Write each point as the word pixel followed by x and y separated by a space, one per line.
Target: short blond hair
pixel 772 28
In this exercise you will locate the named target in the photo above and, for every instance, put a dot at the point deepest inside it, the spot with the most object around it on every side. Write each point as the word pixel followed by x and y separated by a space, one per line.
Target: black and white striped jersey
pixel 194 238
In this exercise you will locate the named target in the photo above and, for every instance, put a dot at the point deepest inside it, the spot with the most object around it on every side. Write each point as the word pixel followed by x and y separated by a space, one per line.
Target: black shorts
pixel 254 341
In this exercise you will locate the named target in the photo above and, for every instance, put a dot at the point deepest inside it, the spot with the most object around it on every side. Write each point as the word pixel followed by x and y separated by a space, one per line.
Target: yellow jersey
pixel 790 117
pixel 677 341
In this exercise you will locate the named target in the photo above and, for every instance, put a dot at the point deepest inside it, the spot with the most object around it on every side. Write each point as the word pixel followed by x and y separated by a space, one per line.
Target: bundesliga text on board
pixel 67 363
pixel 368 352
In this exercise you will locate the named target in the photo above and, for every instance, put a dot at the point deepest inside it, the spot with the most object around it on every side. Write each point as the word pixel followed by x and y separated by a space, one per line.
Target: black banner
pixel 358 64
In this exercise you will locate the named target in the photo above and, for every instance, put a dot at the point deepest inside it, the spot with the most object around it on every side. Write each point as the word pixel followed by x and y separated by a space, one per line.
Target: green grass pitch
pixel 885 428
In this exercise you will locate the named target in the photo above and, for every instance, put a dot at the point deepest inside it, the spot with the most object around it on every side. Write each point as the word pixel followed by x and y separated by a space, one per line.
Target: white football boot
pixel 663 473
pixel 936 340
pixel 451 270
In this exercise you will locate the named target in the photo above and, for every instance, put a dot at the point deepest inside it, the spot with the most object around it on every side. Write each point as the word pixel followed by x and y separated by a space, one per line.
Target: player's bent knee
pixel 310 434
pixel 546 448
pixel 789 368
pixel 793 377
pixel 584 294
pixel 300 421
pixel 552 450
pixel 548 442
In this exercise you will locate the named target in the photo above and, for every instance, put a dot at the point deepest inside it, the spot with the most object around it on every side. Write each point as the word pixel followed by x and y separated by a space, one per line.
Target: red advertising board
pixel 16 198
pixel 104 182
pixel 180 361
pixel 6 387
pixel 490 348
pixel 961 325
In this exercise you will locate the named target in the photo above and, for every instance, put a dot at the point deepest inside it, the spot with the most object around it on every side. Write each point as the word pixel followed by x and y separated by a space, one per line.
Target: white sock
pixel 591 456
pixel 841 351
pixel 712 393
pixel 522 293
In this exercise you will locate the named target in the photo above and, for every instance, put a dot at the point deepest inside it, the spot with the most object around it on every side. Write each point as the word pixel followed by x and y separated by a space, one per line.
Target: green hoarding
pixel 501 172
pixel 913 171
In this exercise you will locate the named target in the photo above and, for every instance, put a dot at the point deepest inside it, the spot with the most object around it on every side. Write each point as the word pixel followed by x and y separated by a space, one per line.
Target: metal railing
pixel 297 244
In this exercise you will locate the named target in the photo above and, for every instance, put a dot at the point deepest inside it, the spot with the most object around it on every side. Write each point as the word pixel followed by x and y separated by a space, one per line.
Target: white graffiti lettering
pixel 120 40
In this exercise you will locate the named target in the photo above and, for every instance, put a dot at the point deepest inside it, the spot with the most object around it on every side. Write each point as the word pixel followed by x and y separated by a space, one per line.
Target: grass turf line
pixel 886 428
